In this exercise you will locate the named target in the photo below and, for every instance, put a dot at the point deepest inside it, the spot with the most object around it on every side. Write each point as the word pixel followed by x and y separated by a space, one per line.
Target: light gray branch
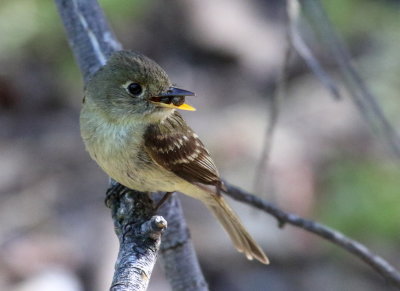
pixel 139 235
pixel 91 39
pixel 376 262
pixel 92 42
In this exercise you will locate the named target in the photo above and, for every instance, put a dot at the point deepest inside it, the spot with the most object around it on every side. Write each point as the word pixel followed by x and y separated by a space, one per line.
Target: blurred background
pixel 325 163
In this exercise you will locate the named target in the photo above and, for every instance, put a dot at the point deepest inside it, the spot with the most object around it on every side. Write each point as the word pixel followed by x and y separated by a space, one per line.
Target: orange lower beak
pixel 184 106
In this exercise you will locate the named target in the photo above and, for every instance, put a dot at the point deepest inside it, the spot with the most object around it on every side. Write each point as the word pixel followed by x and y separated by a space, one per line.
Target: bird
pixel 131 126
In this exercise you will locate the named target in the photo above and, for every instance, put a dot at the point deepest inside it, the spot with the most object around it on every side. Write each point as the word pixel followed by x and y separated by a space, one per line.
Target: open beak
pixel 173 98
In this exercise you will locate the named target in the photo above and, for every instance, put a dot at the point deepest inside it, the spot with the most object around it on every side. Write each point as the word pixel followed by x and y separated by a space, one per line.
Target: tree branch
pixel 91 39
pixel 92 42
pixel 139 235
pixel 376 262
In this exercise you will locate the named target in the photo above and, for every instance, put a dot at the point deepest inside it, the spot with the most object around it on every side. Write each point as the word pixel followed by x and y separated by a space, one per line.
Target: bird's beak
pixel 173 98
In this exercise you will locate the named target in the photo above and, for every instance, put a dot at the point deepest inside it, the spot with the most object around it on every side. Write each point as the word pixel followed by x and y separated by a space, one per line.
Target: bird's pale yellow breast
pixel 118 150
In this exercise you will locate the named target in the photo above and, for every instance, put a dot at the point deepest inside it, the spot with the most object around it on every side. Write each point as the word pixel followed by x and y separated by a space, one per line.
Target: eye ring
pixel 135 89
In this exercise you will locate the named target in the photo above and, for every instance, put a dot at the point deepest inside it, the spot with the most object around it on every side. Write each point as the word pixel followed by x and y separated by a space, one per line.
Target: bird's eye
pixel 135 89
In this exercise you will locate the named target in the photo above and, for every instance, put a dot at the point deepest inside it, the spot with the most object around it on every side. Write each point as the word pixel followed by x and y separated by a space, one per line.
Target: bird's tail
pixel 242 240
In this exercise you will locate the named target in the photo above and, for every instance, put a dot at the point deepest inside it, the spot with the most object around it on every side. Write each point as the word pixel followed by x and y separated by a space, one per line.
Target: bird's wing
pixel 174 146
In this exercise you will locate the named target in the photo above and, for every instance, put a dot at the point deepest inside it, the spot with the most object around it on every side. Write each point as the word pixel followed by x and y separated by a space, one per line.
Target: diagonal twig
pixel 295 43
pixel 279 93
pixel 380 265
pixel 296 40
pixel 365 101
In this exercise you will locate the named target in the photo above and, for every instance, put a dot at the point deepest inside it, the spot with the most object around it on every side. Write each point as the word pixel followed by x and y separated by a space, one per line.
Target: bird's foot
pixel 113 191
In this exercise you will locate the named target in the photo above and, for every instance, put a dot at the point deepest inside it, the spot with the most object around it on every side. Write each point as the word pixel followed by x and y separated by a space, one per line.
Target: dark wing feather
pixel 174 146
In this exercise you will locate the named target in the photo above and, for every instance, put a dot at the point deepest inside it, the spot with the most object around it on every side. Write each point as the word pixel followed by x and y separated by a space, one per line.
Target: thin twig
pixel 261 180
pixel 296 43
pixel 296 40
pixel 387 271
pixel 363 98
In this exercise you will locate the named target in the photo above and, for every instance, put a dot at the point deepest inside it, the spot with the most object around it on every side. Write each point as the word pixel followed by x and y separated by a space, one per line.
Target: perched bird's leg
pixel 113 192
pixel 166 196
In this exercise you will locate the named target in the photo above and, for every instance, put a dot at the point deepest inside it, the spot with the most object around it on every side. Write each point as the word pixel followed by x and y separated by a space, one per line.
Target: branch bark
pixel 139 231
pixel 376 262
pixel 139 235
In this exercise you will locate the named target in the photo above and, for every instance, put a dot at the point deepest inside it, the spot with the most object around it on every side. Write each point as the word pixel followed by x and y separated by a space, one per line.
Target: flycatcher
pixel 132 129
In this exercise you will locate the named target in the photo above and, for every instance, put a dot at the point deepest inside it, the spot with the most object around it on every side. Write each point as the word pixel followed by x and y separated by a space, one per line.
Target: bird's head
pixel 130 85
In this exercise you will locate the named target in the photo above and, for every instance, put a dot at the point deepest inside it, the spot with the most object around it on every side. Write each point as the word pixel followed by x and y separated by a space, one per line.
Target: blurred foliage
pixel 124 10
pixel 362 197
pixel 361 17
